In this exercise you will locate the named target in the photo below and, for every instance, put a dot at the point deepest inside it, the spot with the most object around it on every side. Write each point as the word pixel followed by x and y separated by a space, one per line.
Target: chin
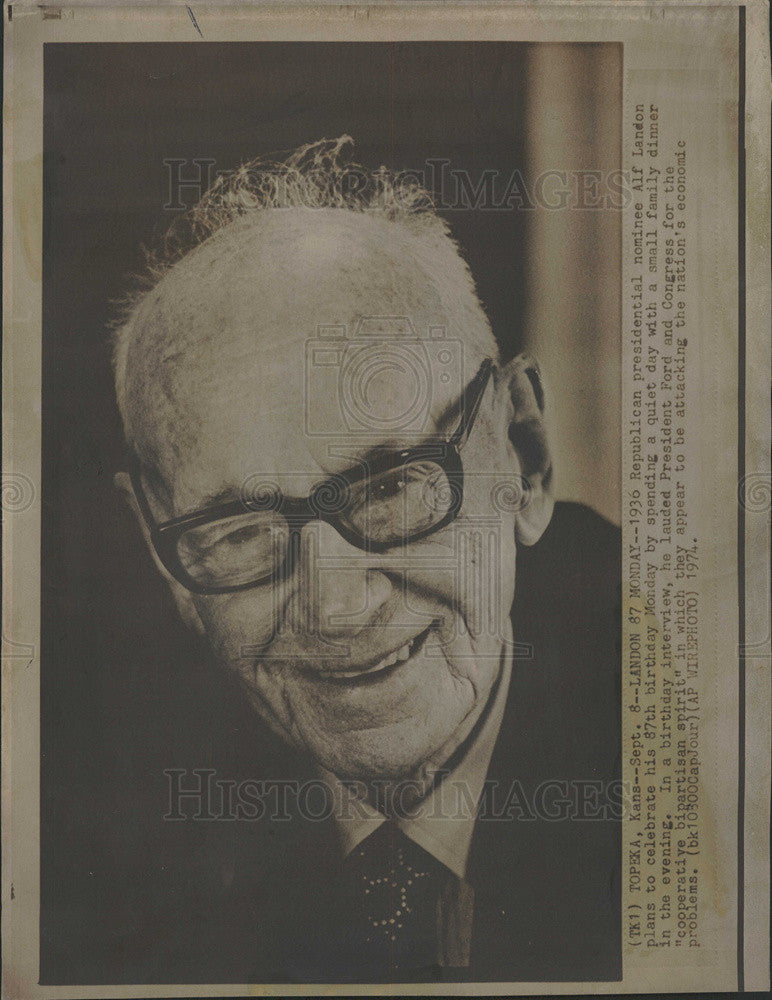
pixel 383 726
pixel 372 767
pixel 395 753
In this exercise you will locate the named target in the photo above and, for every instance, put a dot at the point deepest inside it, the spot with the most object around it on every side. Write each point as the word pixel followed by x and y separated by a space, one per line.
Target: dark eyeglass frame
pixel 300 511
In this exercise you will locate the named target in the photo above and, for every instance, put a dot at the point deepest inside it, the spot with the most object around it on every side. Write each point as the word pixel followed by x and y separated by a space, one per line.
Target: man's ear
pixel 182 597
pixel 528 436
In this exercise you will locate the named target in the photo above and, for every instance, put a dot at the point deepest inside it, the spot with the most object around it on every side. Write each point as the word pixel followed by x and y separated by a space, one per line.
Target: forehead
pixel 249 361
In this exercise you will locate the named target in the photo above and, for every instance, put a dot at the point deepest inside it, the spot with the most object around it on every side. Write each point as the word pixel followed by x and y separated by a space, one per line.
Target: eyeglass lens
pixel 384 510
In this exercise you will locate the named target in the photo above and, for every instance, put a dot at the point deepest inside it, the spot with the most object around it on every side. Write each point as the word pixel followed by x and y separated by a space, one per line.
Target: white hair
pixel 318 175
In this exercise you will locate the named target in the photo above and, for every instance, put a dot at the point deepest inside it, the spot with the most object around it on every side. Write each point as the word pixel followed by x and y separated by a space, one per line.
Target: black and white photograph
pixel 331 684
pixel 385 499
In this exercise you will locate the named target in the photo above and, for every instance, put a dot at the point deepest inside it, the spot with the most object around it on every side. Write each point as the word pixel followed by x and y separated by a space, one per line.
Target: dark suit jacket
pixel 234 901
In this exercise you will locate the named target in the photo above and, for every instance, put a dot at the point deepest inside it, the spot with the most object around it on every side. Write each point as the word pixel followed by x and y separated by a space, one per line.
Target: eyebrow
pixel 218 498
pixel 451 411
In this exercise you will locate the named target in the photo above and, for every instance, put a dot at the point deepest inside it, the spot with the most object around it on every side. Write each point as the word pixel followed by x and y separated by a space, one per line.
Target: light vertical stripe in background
pixel 573 321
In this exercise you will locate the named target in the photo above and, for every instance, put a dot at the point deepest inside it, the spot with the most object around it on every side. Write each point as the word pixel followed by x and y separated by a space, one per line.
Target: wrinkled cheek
pixel 267 691
pixel 237 630
pixel 239 636
pixel 265 685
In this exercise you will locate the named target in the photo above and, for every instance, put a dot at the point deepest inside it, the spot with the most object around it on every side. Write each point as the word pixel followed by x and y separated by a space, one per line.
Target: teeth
pixel 399 655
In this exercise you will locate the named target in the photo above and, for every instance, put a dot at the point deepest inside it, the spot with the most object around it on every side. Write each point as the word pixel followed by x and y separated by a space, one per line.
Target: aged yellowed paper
pixel 386 499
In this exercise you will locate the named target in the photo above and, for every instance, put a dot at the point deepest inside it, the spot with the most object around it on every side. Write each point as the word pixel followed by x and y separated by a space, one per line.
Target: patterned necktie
pixel 392 891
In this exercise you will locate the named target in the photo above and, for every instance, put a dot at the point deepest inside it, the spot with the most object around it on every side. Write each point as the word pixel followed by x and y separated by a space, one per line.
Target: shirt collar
pixel 443 822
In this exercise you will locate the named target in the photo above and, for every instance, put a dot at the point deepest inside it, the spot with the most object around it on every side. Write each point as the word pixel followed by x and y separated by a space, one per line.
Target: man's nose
pixel 340 587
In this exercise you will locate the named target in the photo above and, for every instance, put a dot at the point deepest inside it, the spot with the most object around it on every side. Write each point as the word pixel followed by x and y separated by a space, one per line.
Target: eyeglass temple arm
pixel 472 401
pixel 135 475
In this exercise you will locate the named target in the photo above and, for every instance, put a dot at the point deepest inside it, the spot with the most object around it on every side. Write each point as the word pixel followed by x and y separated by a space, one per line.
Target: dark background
pixel 125 693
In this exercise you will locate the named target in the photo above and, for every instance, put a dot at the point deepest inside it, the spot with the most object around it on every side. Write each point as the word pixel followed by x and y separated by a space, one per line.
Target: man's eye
pixel 223 540
pixel 386 488
pixel 240 536
pixel 220 536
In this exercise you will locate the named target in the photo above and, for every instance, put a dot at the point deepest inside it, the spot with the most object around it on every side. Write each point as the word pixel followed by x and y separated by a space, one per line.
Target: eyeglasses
pixel 386 501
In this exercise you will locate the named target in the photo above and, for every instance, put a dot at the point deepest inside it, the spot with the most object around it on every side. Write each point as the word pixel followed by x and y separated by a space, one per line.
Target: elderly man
pixel 339 476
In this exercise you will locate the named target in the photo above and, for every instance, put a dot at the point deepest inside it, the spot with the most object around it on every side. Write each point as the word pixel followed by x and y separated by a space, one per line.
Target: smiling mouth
pixel 385 666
